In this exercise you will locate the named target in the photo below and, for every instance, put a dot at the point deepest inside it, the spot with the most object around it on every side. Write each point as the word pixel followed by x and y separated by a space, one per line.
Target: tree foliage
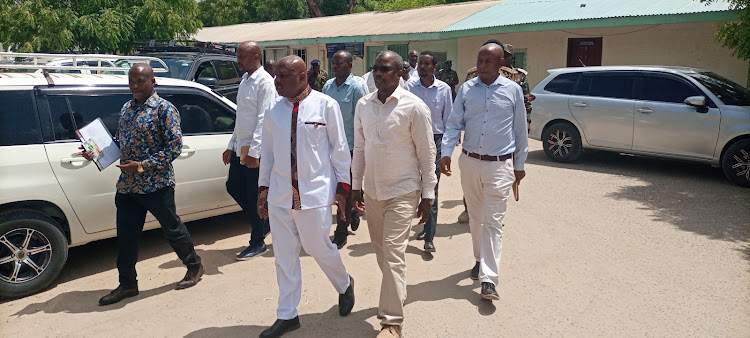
pixel 93 25
pixel 736 34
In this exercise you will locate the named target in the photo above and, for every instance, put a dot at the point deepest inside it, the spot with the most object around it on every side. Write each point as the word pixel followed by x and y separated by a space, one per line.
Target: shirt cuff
pixel 428 193
pixel 262 188
pixel 356 184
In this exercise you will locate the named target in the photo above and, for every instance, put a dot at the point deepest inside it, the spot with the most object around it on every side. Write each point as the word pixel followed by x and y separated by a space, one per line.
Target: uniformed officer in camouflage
pixel 448 76
pixel 316 77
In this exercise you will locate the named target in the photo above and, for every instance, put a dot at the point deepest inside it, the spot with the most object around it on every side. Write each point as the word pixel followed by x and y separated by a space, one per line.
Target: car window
pixel 611 85
pixel 205 70
pixel 665 89
pixel 200 115
pixel 727 91
pixel 563 83
pixel 178 67
pixel 19 123
pixel 71 112
pixel 227 73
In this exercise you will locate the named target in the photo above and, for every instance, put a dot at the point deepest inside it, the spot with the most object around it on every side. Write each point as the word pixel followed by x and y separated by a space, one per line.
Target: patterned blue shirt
pixel 347 95
pixel 494 120
pixel 149 133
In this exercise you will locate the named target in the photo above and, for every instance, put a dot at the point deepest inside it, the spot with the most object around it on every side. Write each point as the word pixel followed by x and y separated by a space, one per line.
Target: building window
pixel 302 53
pixel 519 60
pixel 274 53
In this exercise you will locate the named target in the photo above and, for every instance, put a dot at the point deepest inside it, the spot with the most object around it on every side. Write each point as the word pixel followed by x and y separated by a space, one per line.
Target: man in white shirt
pixel 394 154
pixel 491 110
pixel 304 169
pixel 413 60
pixel 255 96
pixel 437 95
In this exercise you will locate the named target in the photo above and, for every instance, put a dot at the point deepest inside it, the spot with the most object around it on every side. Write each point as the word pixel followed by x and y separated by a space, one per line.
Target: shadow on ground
pixel 693 197
pixel 450 288
pixel 326 324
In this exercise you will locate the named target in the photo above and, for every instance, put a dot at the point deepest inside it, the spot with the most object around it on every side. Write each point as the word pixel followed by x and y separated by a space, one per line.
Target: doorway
pixel 584 52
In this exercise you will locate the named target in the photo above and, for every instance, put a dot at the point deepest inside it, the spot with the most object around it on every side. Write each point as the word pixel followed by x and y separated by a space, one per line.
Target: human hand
pixel 252 162
pixel 423 210
pixel 261 206
pixel 520 174
pixel 226 157
pixel 445 165
pixel 340 202
pixel 128 166
pixel 357 201
pixel 87 154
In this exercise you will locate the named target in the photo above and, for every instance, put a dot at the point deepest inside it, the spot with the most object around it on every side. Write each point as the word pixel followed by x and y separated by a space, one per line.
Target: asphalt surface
pixel 612 245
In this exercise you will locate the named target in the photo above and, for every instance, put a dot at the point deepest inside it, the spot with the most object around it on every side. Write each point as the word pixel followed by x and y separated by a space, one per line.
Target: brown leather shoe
pixel 390 331
pixel 117 295
pixel 191 278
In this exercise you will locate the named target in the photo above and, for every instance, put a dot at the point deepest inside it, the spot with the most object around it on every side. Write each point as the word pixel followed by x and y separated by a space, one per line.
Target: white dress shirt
pixel 494 118
pixel 370 81
pixel 413 73
pixel 394 149
pixel 323 158
pixel 438 97
pixel 256 95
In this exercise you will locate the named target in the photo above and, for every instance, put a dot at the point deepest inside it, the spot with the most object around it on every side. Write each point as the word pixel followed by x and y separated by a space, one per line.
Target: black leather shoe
pixel 429 246
pixel 355 220
pixel 420 236
pixel 346 299
pixel 488 291
pixel 475 272
pixel 340 241
pixel 280 327
pixel 117 295
pixel 191 278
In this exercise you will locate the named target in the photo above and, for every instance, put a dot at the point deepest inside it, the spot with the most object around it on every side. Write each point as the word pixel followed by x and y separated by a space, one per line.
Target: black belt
pixel 488 157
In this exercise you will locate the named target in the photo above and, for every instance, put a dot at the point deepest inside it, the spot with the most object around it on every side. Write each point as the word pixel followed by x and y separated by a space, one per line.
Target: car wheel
pixel 736 163
pixel 562 142
pixel 33 251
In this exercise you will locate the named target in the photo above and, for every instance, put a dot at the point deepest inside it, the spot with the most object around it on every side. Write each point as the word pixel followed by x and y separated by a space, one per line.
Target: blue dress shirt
pixel 494 120
pixel 347 96
pixel 438 97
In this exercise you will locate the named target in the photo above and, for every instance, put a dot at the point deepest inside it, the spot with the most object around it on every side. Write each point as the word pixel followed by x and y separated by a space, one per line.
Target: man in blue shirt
pixel 438 97
pixel 490 108
pixel 346 89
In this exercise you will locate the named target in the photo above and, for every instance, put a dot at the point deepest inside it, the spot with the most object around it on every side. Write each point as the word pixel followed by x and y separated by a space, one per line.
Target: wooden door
pixel 584 52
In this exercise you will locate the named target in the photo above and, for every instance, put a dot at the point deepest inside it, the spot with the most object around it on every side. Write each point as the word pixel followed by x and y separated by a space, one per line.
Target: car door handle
pixel 187 152
pixel 71 160
pixel 580 105
pixel 645 110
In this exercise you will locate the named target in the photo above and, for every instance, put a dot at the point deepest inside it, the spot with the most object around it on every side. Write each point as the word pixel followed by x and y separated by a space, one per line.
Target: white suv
pixel 51 199
pixel 673 112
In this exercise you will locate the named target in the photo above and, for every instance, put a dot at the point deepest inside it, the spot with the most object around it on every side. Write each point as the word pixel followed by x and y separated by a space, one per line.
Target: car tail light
pixel 531 97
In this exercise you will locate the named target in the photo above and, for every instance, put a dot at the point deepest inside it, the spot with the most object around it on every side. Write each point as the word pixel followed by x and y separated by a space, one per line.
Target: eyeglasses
pixel 382 69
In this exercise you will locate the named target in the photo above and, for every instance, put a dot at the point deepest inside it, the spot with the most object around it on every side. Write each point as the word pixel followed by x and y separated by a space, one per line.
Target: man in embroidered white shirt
pixel 255 96
pixel 304 169
pixel 394 154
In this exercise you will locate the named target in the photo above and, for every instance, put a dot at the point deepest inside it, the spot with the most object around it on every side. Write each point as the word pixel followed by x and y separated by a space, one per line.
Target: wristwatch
pixel 140 167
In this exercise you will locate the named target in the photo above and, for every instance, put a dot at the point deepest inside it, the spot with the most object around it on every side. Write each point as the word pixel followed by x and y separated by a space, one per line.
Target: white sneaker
pixel 463 217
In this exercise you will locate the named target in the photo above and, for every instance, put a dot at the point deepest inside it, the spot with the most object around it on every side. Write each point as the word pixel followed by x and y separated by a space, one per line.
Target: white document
pixel 96 137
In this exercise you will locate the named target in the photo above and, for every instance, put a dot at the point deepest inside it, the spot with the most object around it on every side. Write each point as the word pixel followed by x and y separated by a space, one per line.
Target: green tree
pixel 736 34
pixel 93 25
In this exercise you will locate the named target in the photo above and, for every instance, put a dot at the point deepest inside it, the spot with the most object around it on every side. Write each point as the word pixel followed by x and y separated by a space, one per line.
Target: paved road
pixel 610 246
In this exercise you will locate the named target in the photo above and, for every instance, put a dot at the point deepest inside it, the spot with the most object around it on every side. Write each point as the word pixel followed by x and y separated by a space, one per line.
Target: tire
pixel 736 163
pixel 562 142
pixel 33 251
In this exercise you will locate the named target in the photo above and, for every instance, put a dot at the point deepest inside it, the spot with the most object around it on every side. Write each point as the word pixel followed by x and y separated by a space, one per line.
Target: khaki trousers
pixel 486 186
pixel 389 222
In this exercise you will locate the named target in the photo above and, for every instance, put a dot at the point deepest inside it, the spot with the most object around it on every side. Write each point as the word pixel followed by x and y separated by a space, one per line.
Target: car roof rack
pixel 185 46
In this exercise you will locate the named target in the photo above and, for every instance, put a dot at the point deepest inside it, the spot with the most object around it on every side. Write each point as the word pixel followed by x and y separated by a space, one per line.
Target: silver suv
pixel 51 199
pixel 674 112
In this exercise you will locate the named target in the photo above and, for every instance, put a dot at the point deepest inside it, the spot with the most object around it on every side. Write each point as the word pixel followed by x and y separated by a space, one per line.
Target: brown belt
pixel 488 157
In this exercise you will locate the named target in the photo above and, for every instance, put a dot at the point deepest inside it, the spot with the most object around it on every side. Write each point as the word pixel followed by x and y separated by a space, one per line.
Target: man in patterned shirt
pixel 150 138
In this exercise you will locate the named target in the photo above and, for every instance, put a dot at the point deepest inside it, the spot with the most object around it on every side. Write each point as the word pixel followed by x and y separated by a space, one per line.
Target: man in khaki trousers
pixel 394 153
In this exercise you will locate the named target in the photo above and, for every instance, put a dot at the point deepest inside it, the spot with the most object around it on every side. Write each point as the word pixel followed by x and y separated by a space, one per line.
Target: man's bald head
pixel 141 81
pixel 389 66
pixel 489 60
pixel 270 67
pixel 249 56
pixel 291 76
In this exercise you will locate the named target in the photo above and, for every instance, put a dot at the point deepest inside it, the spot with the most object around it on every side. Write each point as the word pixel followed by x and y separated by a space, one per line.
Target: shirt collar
pixel 252 76
pixel 396 95
pixel 348 81
pixel 434 82
pixel 498 82
pixel 151 102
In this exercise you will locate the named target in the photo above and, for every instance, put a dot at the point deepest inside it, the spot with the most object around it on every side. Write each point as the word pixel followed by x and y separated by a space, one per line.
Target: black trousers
pixel 342 227
pixel 242 185
pixel 131 215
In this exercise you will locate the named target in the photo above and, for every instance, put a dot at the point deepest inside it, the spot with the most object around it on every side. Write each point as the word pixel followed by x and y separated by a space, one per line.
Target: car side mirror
pixel 699 102
pixel 210 82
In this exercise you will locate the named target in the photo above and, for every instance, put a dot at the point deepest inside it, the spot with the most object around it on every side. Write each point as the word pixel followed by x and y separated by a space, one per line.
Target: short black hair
pixel 434 57
pixel 493 41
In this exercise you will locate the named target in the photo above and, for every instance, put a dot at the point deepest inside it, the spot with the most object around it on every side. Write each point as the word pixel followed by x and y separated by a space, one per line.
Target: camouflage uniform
pixel 450 77
pixel 317 81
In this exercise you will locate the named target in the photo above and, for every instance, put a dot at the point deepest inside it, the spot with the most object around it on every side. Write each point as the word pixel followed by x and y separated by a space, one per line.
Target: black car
pixel 212 65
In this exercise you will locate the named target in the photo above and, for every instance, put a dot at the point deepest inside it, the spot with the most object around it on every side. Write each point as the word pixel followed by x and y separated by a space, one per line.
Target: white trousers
pixel 486 186
pixel 308 229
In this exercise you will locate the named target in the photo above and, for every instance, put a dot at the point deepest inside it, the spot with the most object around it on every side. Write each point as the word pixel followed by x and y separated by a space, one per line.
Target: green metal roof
pixel 524 12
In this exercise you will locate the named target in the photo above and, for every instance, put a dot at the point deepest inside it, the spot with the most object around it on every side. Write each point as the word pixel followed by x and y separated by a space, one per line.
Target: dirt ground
pixel 612 245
